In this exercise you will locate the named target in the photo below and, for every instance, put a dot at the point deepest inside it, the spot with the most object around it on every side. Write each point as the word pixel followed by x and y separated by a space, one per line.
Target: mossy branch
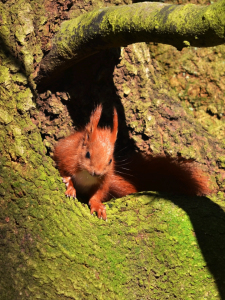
pixel 177 25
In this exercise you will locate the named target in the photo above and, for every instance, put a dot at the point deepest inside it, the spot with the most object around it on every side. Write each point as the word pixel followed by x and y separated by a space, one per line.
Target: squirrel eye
pixel 88 155
pixel 110 161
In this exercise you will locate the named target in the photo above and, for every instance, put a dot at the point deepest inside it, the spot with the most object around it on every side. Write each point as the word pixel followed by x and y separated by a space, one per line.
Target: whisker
pixel 118 164
pixel 126 158
pixel 122 161
pixel 122 149
pixel 125 169
pixel 124 173
pixel 111 195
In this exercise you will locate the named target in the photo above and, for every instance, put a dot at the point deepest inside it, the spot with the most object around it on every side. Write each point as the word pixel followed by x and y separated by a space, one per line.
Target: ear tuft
pixel 93 124
pixel 95 116
pixel 115 125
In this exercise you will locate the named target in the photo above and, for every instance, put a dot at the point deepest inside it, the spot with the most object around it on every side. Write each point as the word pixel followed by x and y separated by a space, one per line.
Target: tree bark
pixel 177 25
pixel 153 245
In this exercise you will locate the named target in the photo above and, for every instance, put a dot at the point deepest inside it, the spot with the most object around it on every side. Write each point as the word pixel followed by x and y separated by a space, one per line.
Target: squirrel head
pixel 98 145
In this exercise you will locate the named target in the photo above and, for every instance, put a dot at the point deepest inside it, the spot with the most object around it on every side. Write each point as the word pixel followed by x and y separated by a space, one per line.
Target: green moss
pixel 4 77
pixel 19 78
pixel 221 161
pixel 24 101
pixel 216 17
pixel 5 118
pixel 54 249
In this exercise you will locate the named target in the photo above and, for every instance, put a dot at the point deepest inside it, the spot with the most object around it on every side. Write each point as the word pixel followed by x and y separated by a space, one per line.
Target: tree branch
pixel 177 25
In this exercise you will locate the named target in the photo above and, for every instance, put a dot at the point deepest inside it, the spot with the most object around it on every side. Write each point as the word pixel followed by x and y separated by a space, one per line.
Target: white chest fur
pixel 84 181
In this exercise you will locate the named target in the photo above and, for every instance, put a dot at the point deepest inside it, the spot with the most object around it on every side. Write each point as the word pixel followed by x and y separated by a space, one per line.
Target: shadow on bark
pixel 208 220
pixel 16 62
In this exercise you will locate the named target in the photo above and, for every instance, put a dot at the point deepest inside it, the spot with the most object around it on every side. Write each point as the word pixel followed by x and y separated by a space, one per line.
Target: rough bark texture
pixel 176 25
pixel 153 246
pixel 197 77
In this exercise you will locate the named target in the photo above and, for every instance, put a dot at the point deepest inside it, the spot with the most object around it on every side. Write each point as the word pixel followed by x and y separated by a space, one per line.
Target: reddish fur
pixel 166 174
pixel 101 180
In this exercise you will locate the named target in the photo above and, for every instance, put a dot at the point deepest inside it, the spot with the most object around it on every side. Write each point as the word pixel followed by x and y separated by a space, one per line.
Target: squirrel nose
pixel 94 173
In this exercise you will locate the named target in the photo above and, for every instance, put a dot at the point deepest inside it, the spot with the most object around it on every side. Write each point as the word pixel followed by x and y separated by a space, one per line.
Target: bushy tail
pixel 165 174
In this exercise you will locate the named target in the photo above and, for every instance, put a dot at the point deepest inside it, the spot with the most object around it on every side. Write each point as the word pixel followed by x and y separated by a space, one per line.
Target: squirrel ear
pixel 94 119
pixel 115 125
pixel 95 116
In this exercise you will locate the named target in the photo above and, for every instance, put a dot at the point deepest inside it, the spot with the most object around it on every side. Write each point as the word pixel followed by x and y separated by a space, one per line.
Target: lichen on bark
pixel 180 26
pixel 154 246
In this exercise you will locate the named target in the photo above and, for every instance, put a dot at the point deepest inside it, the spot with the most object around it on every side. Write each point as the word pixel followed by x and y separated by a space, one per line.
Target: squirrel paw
pixel 66 180
pixel 70 191
pixel 99 208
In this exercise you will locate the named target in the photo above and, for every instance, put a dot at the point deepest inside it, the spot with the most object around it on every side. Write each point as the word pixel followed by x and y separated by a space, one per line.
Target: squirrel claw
pixel 70 192
pixel 99 208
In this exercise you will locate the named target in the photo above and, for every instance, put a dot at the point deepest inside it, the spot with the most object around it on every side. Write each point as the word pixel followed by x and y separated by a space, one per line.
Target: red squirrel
pixel 86 162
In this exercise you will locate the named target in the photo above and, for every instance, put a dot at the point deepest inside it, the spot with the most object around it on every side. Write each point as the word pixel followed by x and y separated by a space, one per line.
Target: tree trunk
pixel 153 246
